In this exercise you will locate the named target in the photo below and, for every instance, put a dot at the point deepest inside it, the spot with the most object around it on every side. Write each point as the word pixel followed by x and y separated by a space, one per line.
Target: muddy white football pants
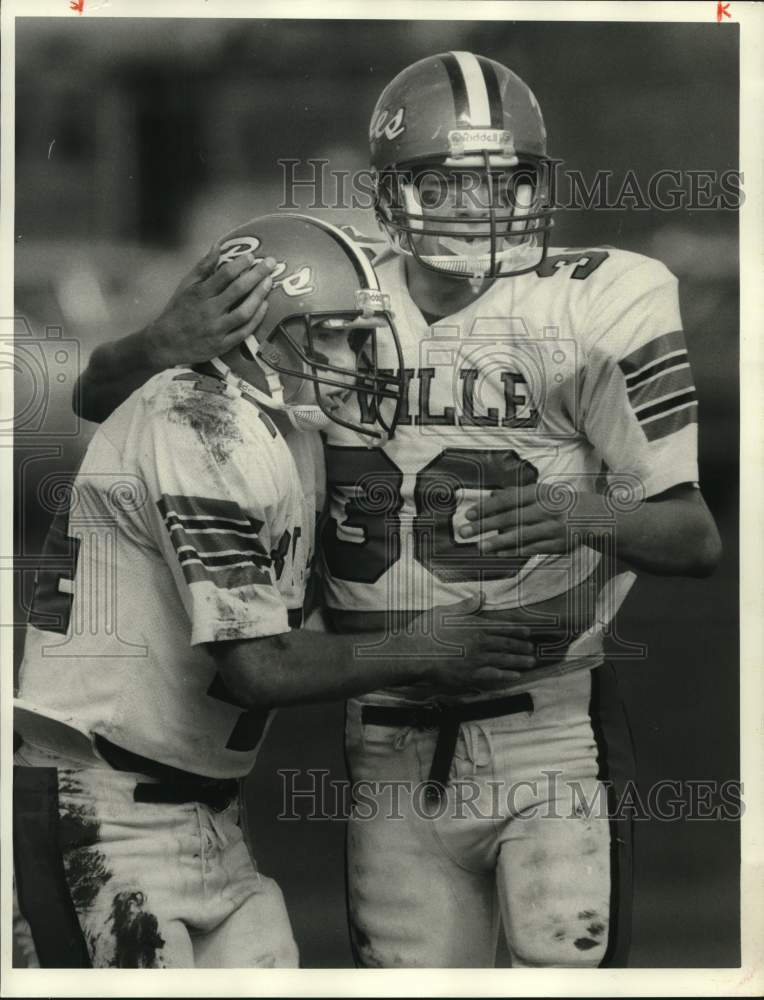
pixel 124 884
pixel 522 838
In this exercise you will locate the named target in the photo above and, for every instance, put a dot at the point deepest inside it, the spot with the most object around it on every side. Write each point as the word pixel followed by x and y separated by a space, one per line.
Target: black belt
pixel 171 784
pixel 446 719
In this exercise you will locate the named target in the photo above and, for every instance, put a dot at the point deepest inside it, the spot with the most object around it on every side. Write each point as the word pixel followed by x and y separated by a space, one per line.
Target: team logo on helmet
pixel 385 124
pixel 300 282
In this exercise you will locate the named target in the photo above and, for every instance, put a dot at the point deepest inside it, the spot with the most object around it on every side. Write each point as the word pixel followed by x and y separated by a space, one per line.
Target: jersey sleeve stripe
pixel 189 526
pixel 655 350
pixel 201 507
pixel 215 549
pixel 662 425
pixel 211 525
pixel 230 559
pixel 661 387
pixel 216 542
pixel 670 403
pixel 673 360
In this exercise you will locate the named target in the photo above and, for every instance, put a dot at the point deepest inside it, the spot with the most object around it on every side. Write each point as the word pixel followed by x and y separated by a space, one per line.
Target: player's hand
pixel 211 310
pixel 525 527
pixel 459 649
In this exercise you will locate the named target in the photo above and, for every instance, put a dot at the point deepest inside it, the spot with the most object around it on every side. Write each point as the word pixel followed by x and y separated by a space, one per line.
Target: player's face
pixel 329 346
pixel 458 204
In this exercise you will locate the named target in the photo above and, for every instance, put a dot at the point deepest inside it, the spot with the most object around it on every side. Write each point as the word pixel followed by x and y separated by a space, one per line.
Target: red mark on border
pixel 79 6
pixel 722 10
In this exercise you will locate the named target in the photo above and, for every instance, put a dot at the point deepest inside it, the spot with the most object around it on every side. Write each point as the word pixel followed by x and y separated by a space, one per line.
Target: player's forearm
pixel 299 667
pixel 115 370
pixel 675 536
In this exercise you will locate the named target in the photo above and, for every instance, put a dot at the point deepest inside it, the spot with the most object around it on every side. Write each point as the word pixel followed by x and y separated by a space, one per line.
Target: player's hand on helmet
pixel 519 524
pixel 211 310
pixel 459 648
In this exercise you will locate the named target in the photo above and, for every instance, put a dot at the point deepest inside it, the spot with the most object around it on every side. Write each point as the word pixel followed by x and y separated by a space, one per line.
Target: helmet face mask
pixel 463 182
pixel 327 330
pixel 468 222
pixel 325 359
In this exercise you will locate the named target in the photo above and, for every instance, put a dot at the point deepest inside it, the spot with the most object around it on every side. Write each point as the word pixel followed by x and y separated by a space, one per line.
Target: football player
pixel 164 626
pixel 550 427
pixel 545 449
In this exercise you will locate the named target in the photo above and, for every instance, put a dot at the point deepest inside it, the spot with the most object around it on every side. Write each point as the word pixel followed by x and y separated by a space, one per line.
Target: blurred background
pixel 139 141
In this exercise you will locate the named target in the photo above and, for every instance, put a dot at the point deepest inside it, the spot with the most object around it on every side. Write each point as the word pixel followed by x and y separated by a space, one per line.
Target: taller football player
pixel 164 623
pixel 545 448
pixel 550 426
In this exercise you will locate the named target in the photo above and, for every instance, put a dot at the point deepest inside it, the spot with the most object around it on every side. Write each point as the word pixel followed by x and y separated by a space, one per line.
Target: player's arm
pixel 209 313
pixel 638 407
pixel 210 516
pixel 672 533
pixel 300 666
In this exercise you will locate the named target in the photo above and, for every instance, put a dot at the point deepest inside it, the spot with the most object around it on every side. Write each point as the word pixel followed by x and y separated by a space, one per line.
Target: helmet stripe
pixel 475 85
pixel 358 258
pixel 493 90
pixel 458 89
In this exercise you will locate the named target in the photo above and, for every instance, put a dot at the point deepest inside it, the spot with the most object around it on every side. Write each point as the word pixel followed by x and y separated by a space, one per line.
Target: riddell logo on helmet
pixel 300 282
pixel 469 140
pixel 383 124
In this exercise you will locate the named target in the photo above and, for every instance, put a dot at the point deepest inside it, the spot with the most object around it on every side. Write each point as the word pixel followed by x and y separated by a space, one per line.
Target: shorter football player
pixel 164 626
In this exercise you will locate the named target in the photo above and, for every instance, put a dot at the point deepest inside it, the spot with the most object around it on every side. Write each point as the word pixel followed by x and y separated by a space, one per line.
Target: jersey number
pixel 51 607
pixel 368 540
pixel 586 262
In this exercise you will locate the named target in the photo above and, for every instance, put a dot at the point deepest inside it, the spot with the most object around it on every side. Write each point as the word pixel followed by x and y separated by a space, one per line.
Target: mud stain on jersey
pixel 222 608
pixel 136 933
pixel 584 944
pixel 595 929
pixel 211 418
pixel 79 833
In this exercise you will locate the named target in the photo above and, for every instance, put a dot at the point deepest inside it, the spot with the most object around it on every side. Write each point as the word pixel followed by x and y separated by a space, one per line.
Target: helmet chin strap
pixel 302 416
pixel 273 398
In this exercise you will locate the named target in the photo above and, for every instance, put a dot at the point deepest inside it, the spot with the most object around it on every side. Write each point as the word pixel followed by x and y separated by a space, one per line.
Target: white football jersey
pixel 191 521
pixel 572 376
